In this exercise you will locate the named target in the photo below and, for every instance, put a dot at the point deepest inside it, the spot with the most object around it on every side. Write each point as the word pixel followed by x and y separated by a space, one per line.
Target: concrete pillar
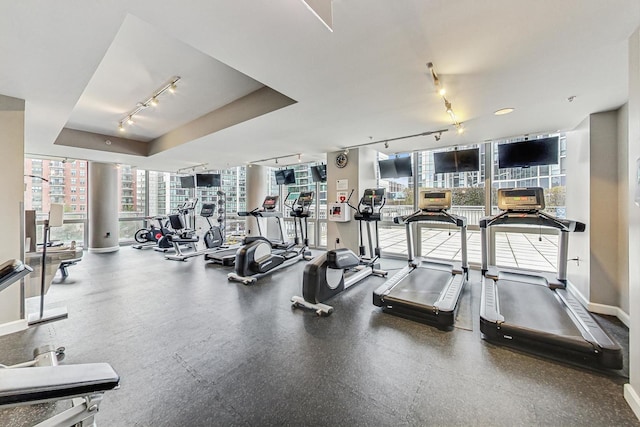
pixel 359 174
pixel 103 207
pixel 11 200
pixel 257 188
pixel 632 390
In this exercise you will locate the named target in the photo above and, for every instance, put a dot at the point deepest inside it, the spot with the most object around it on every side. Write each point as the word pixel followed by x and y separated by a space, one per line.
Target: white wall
pixel 577 202
pixel 632 390
pixel 623 213
pixel 11 197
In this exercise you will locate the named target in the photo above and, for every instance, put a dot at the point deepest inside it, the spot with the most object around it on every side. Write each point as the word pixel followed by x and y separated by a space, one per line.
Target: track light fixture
pixel 191 168
pixel 437 136
pixel 276 160
pixel 386 144
pixel 388 140
pixel 447 104
pixel 170 86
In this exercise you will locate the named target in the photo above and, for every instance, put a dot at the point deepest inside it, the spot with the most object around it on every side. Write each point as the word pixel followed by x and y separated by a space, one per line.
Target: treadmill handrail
pixel 440 215
pixel 532 217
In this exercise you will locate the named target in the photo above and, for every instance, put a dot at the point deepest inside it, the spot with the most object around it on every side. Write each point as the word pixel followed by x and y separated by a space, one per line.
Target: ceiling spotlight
pixel 346 151
pixel 460 129
pixel 299 158
pixel 154 101
pixel 571 98
pixel 442 92
pixel 173 88
pixel 130 120
pixel 386 144
pixel 437 136
pixel 276 160
pixel 120 127
pixel 503 111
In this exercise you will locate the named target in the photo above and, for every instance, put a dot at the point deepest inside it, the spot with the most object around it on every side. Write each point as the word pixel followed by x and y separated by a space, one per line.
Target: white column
pixel 257 189
pixel 11 199
pixel 103 207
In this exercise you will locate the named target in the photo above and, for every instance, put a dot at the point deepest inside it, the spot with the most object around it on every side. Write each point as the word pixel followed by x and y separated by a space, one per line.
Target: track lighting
pixel 150 101
pixel 386 144
pixel 299 158
pixel 437 136
pixel 447 103
pixel 276 160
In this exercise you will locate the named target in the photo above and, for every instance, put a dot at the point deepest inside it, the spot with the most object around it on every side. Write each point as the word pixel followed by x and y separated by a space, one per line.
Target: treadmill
pixel 427 290
pixel 534 310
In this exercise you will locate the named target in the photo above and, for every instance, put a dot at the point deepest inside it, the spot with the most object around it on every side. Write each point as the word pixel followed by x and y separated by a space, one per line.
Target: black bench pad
pixel 37 384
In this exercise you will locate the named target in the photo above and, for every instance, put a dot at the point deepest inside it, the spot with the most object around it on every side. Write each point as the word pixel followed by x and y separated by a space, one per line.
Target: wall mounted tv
pixel 457 161
pixel 187 182
pixel 319 173
pixel 208 180
pixel 285 177
pixel 535 152
pixel 398 167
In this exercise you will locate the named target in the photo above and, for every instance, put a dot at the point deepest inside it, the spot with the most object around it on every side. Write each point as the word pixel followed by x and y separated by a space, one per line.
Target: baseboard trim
pixel 15 326
pixel 104 250
pixel 632 399
pixel 608 310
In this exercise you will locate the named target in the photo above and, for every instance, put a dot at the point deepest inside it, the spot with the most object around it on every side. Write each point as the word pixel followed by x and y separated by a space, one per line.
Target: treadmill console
pixel 431 200
pixel 521 199
pixel 270 203
pixel 373 197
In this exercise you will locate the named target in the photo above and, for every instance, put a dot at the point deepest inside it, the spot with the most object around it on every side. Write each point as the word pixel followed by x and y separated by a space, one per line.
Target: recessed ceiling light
pixel 503 111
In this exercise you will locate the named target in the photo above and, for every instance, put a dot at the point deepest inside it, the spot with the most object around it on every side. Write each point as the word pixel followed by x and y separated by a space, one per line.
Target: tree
pixel 467 196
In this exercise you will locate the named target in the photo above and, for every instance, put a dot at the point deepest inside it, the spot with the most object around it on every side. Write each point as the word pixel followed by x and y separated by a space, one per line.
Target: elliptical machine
pixel 338 269
pixel 259 257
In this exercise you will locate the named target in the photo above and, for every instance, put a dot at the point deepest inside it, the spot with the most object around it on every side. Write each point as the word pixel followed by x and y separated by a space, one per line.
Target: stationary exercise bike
pixel 148 237
pixel 338 269
pixel 213 238
pixel 180 223
pixel 259 257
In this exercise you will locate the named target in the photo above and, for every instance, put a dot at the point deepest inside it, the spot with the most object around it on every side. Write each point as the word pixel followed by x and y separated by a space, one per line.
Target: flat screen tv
pixel 457 161
pixel 208 180
pixel 398 167
pixel 535 152
pixel 285 177
pixel 187 182
pixel 319 173
pixel 403 166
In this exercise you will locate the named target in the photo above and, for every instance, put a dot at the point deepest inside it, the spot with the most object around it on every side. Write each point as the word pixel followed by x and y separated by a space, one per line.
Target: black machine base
pixel 517 338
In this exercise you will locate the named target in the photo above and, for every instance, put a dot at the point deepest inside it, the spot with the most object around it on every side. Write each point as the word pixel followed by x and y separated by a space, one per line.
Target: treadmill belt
pixel 534 307
pixel 421 286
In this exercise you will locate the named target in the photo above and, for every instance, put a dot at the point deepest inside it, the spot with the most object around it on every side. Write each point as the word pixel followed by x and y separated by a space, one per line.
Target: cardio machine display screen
pixel 270 202
pixel 373 196
pixel 430 200
pixel 521 198
pixel 306 197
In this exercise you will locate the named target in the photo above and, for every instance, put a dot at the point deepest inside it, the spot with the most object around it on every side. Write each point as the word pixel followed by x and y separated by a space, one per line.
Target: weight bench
pixel 43 380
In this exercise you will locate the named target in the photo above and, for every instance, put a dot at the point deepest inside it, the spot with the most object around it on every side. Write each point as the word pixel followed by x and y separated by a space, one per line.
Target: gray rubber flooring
pixel 193 349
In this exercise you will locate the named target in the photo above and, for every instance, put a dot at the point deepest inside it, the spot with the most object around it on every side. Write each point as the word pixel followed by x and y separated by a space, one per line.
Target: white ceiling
pixel 83 65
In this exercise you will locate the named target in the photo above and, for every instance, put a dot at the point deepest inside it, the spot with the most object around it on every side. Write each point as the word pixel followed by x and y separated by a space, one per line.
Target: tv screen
pixel 387 169
pixel 457 161
pixel 398 167
pixel 319 173
pixel 187 182
pixel 285 177
pixel 403 166
pixel 208 180
pixel 536 152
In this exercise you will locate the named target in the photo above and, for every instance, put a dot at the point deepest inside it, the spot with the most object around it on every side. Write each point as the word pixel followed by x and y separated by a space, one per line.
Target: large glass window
pixel 440 240
pixel 399 202
pixel 50 181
